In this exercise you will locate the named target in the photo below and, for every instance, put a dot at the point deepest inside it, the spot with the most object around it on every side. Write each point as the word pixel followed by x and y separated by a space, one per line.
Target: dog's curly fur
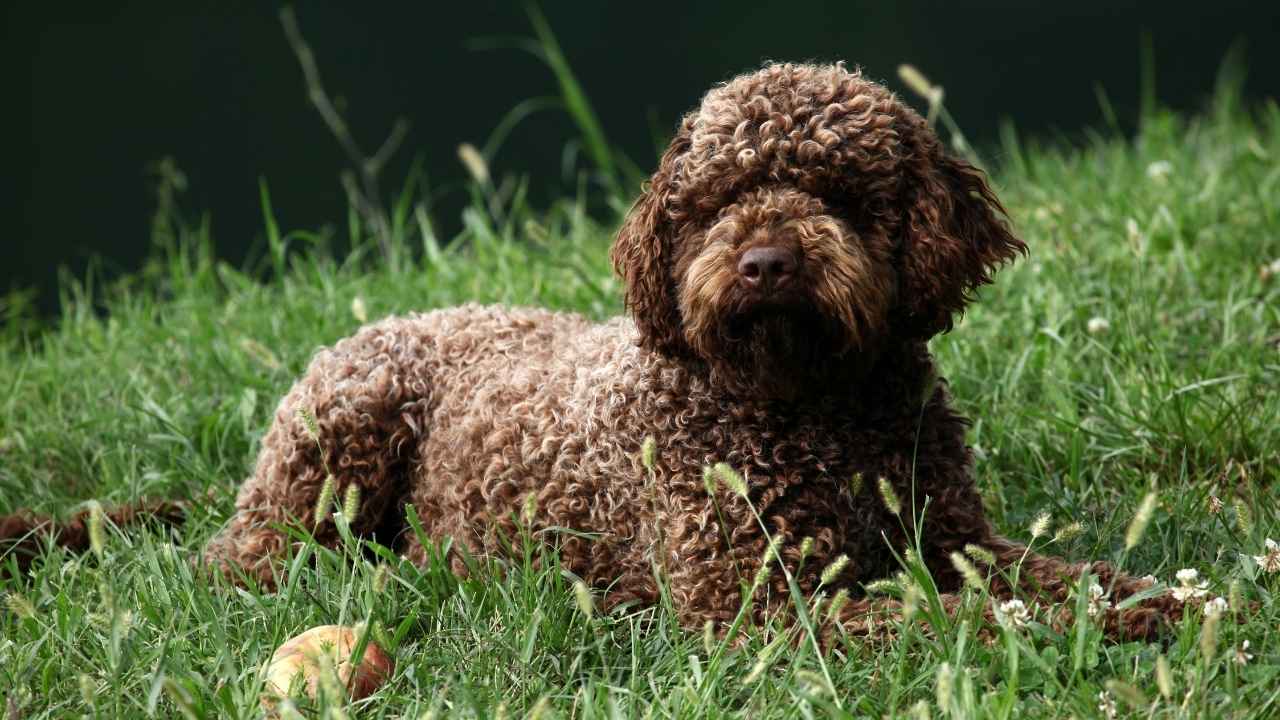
pixel 467 413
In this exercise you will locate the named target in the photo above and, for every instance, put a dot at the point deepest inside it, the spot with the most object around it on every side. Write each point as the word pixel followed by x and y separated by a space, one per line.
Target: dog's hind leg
pixel 355 415
pixel 1052 581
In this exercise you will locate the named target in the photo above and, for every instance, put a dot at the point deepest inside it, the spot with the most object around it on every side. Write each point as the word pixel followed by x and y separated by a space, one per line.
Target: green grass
pixel 160 385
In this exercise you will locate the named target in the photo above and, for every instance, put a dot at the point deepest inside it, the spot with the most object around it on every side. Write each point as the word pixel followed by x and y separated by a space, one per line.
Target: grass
pixel 1135 351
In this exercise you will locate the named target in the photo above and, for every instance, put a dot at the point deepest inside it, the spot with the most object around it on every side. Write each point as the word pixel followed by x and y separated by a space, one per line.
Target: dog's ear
pixel 954 235
pixel 642 257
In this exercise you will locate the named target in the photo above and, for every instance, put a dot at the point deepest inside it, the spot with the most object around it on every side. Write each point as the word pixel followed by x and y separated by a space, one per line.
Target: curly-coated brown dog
pixel 801 240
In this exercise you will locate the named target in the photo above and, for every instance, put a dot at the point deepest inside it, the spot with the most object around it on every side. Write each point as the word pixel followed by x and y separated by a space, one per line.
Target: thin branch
pixel 367 197
pixel 389 146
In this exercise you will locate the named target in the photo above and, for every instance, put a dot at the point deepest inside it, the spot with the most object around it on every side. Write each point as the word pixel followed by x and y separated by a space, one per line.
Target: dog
pixel 803 237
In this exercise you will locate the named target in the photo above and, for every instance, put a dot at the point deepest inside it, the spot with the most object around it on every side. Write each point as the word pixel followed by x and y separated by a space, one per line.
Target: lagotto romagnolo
pixel 803 237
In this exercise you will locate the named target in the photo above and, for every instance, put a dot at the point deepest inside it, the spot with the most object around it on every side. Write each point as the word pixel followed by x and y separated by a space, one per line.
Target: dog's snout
pixel 767 267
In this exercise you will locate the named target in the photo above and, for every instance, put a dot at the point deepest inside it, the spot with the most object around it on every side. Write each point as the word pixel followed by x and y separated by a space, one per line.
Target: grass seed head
pixel 1244 516
pixel 1235 594
pixel 324 500
pixel 1040 526
pixel 911 558
pixel 980 554
pixel 97 529
pixel 1141 519
pixel 536 232
pixel 756 671
pixel 971 576
pixel 855 484
pixel 806 547
pixel 474 162
pixel 582 596
pixel 261 353
pixel 883 586
pixel 87 691
pixel 351 502
pixel 1131 695
pixel 838 601
pixel 309 424
pixel 730 478
pixel 814 682
pixel 1209 636
pixel 919 84
pixel 833 569
pixel 762 663
pixel 944 687
pixel 1069 531
pixel 648 451
pixel 19 605
pixel 529 508
pixel 766 561
pixel 1164 677
pixel 911 597
pixel 888 495
pixel 541 708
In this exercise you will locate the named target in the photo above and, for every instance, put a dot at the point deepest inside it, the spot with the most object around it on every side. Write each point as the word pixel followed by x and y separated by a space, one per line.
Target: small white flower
pixel 1098 602
pixel 1188 588
pixel 1269 270
pixel 1098 325
pixel 1107 704
pixel 1243 656
pixel 1159 170
pixel 1184 593
pixel 1013 614
pixel 1133 233
pixel 1216 606
pixel 1215 504
pixel 1269 561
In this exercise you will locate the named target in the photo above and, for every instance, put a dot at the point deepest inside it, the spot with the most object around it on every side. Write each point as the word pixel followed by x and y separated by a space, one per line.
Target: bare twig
pixel 367 196
pixel 389 146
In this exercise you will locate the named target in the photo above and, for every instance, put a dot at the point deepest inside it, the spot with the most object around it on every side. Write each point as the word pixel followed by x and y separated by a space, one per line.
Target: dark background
pixel 95 94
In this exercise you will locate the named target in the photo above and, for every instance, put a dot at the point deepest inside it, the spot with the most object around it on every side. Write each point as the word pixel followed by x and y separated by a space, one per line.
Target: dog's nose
pixel 767 267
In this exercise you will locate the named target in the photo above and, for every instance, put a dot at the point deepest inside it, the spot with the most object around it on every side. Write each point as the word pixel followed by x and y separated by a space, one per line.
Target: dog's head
pixel 802 216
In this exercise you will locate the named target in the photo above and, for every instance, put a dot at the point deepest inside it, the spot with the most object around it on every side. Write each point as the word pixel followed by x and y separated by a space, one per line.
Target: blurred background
pixel 99 94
